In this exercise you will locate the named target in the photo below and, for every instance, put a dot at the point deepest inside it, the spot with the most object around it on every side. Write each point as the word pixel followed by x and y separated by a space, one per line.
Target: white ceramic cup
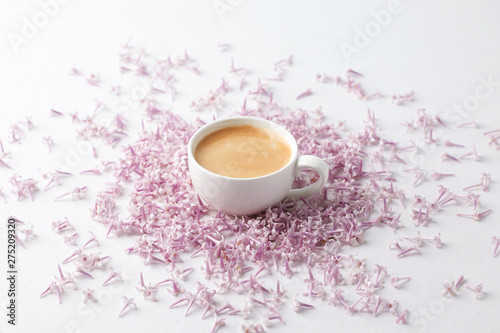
pixel 247 196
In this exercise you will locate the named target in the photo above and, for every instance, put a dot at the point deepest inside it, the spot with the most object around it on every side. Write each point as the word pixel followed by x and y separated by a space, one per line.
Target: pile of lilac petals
pixel 172 224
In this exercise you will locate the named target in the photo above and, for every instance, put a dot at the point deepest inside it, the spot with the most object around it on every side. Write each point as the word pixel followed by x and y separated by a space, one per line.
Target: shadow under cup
pixel 247 196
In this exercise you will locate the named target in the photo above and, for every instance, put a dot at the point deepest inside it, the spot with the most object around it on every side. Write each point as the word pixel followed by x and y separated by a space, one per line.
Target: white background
pixel 440 50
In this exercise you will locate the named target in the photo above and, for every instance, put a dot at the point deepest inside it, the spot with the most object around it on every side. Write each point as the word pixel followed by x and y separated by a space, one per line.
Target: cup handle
pixel 309 162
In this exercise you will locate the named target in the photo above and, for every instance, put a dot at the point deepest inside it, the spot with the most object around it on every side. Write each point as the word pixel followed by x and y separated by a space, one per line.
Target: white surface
pixel 442 50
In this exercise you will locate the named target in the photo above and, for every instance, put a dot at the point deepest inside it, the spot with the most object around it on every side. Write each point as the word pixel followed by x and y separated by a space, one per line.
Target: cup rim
pixel 231 122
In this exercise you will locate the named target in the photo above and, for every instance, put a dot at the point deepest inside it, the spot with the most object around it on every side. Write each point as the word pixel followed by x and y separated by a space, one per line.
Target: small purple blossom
pixel 128 302
pixel 58 285
pixel 93 239
pixel 298 305
pixel 56 113
pixel 62 225
pixel 71 239
pixel 418 240
pixel 471 124
pixel 23 188
pixel 306 93
pixel 476 216
pixel 451 144
pixel 483 184
pixel 148 291
pixel 223 47
pixel 472 153
pixel 402 318
pixel 449 289
pixel 49 142
pixel 446 156
pixel 28 232
pixel 400 99
pixel 89 296
pixel 460 281
pixel 397 282
pixel 477 290
pixel 495 241
pixel 436 176
pixel 75 192
pixel 93 79
pixel 408 251
pixel 113 275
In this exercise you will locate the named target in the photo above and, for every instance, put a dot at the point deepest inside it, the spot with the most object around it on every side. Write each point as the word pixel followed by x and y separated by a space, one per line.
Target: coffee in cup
pixel 243 152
